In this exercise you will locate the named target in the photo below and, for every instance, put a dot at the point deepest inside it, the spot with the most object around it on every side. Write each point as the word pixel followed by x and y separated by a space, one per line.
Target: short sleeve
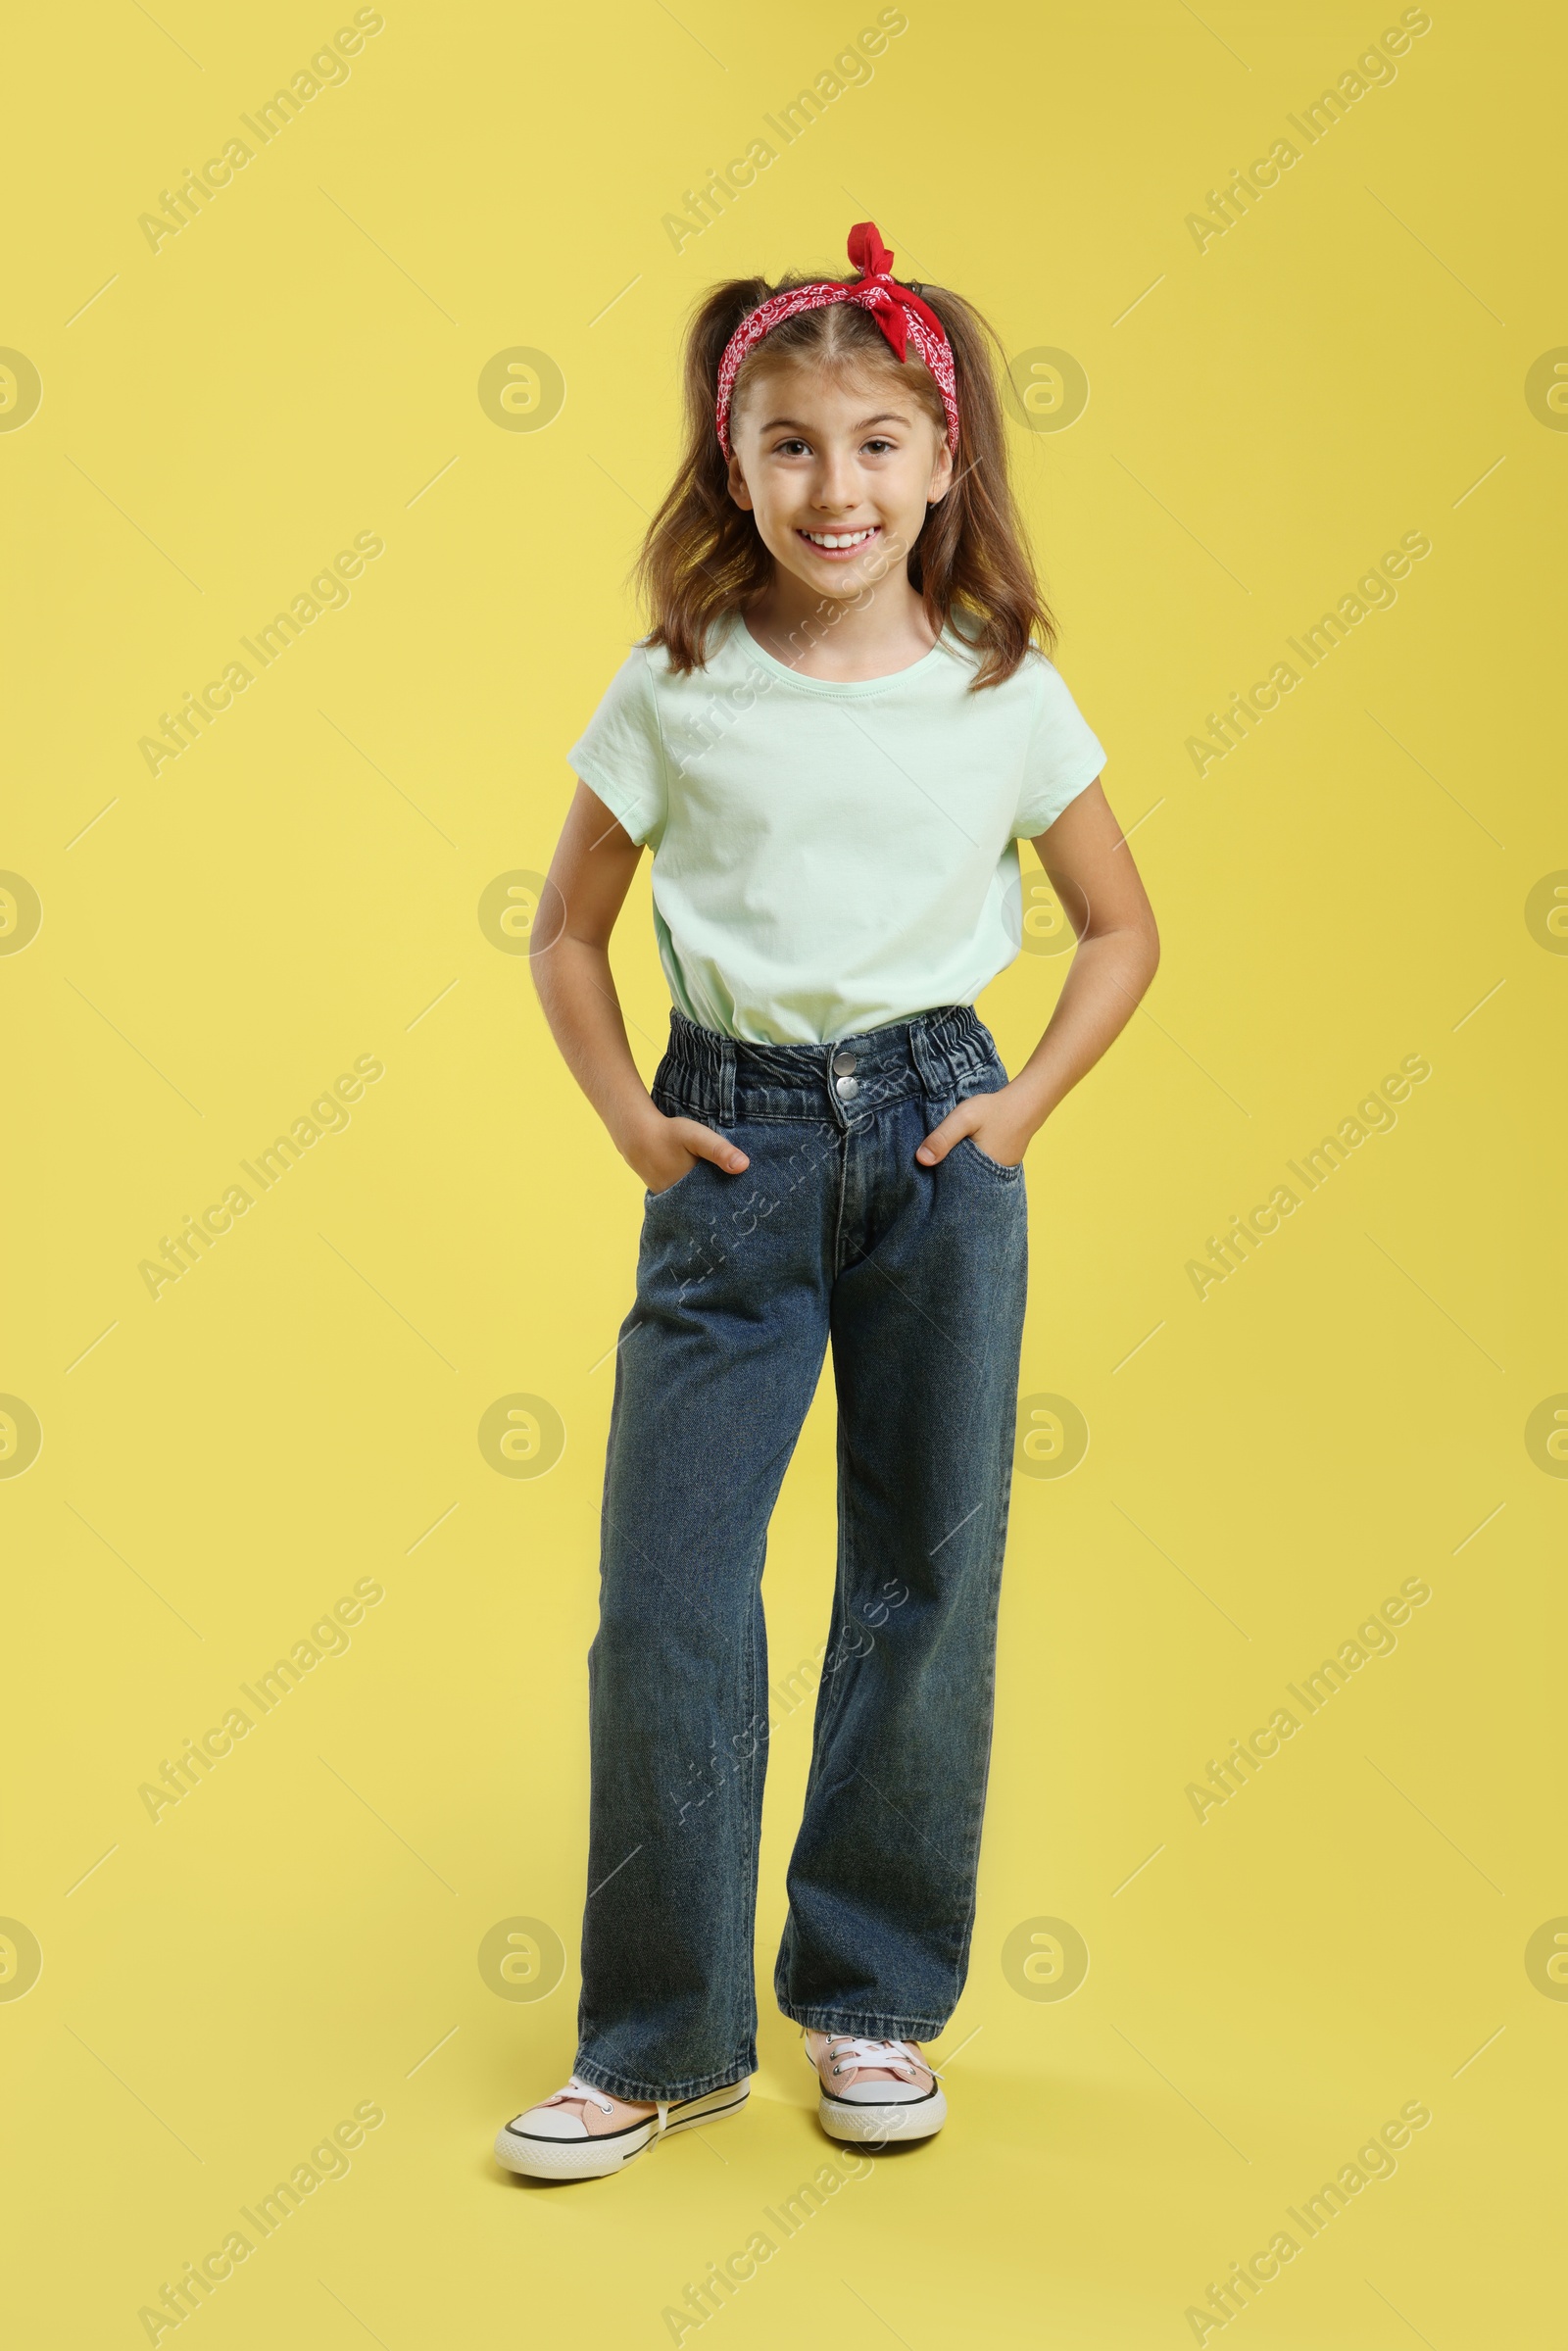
pixel 1063 759
pixel 620 755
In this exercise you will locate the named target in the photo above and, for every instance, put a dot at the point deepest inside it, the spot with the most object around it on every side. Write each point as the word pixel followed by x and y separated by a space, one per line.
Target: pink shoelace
pixel 576 2090
pixel 853 2054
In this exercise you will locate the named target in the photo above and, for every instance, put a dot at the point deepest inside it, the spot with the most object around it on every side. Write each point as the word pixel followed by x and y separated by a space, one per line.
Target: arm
pixel 1092 870
pixel 590 875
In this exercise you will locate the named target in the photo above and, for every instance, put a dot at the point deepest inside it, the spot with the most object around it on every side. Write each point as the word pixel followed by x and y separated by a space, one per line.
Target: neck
pixel 882 629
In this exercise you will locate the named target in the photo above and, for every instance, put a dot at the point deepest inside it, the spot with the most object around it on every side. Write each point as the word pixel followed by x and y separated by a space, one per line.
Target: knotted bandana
pixel 900 312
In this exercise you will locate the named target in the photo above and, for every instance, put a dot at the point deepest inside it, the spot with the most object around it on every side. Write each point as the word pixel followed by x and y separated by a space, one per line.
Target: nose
pixel 837 484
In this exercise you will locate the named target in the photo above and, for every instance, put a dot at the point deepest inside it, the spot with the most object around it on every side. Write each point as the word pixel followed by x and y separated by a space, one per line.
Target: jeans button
pixel 842 1064
pixel 846 1087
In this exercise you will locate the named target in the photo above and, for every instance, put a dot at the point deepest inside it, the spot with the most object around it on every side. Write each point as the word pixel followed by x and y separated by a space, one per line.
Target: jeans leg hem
pixel 640 2090
pixel 865 2027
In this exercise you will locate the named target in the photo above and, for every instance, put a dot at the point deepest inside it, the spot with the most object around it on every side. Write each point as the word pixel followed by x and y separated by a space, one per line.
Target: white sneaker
pixel 575 2134
pixel 874 2090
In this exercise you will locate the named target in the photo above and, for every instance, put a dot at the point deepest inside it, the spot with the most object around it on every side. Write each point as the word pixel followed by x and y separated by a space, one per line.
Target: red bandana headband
pixel 902 316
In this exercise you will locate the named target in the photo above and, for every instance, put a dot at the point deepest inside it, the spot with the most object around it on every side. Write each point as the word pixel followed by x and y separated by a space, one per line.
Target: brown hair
pixel 702 556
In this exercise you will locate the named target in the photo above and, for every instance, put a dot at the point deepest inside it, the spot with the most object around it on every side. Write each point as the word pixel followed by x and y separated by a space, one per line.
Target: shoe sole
pixel 913 2118
pixel 598 2158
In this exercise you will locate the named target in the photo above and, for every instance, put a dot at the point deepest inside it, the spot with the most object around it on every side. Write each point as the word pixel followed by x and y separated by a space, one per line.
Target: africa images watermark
pixel 1374 69
pixel 704 1253
pixel 327 592
pixel 703 2302
pixel 849 70
pixel 1374 2161
pixel 1376 1638
pixel 329 2160
pixel 1374 1115
pixel 1373 593
pixel 328 1638
pixel 328 1115
pixel 702 732
pixel 787 1695
pixel 197 191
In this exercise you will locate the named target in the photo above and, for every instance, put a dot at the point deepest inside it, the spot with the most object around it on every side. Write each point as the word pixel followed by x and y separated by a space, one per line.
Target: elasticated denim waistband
pixel 722 1079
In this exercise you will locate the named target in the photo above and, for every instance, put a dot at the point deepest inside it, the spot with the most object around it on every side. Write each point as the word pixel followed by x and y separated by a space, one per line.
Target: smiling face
pixel 836 467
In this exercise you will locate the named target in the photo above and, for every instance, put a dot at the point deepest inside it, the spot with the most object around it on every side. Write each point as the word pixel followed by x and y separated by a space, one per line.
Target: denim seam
pixel 742 1964
pixel 831 1704
pixel 846 1575
pixel 786 1119
pixel 872 2023
pixel 952 1071
pixel 838 1215
pixel 977 1828
pixel 838 1618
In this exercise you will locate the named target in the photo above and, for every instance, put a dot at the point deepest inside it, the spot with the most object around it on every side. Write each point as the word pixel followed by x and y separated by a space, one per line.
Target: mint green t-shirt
pixel 830 858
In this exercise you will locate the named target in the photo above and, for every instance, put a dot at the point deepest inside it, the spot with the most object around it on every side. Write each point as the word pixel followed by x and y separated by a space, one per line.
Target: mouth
pixel 840 546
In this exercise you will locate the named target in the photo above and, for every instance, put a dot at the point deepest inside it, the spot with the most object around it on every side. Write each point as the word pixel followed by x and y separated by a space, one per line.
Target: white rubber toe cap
pixel 877 2094
pixel 550 2155
pixel 863 2122
pixel 548 2121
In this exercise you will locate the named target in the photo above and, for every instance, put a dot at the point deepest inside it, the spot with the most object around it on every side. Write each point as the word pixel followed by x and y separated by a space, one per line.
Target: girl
pixel 839 728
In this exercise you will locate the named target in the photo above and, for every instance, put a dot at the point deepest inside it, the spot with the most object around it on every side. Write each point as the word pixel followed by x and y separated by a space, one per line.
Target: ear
pixel 737 483
pixel 941 474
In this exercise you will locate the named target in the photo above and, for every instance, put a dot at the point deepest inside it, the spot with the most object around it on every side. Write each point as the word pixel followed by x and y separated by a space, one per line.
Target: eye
pixel 879 447
pixel 788 448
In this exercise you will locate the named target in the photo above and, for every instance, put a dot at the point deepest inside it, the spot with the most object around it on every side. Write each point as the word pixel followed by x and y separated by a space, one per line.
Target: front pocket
pixel 992 1167
pixel 649 1197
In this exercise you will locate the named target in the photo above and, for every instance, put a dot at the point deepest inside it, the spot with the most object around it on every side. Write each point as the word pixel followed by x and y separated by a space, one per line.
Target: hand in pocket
pixel 664 1149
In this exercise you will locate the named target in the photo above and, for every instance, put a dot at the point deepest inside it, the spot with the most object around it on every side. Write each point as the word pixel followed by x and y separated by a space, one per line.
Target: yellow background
pixel 302 886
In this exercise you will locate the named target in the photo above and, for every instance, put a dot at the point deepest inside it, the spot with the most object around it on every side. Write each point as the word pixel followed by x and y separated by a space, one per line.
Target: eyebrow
pixel 883 416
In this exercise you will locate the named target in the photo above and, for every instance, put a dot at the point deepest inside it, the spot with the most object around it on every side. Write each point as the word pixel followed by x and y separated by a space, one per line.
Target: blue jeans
pixel 917 1276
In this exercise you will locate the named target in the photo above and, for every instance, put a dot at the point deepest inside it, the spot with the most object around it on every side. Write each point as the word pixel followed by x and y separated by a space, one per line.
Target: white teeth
pixel 848 538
